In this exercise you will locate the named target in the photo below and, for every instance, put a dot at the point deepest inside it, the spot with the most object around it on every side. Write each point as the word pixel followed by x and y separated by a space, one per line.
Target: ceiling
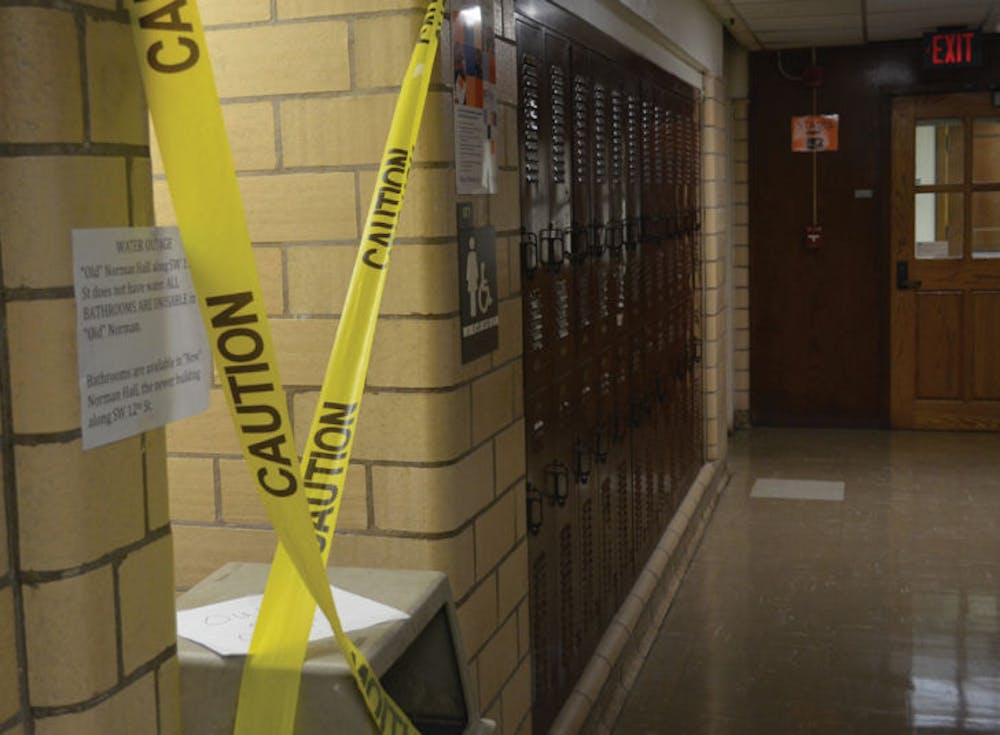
pixel 775 24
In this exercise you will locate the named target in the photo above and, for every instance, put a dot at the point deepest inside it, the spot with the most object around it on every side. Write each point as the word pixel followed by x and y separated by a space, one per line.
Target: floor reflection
pixel 875 615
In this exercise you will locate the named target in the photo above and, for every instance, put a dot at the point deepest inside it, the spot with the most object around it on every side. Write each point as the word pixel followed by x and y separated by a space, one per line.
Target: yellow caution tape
pixel 302 501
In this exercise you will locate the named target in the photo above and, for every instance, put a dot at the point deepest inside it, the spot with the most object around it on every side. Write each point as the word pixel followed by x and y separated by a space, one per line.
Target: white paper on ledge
pixel 227 627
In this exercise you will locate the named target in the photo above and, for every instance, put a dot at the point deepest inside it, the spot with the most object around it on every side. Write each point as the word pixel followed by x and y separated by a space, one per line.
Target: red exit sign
pixel 949 49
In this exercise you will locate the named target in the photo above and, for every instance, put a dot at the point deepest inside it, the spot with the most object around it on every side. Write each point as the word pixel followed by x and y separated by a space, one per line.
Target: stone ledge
pixel 597 699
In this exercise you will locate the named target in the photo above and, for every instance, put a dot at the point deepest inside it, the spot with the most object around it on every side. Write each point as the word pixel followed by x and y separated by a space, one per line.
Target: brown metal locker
pixel 610 249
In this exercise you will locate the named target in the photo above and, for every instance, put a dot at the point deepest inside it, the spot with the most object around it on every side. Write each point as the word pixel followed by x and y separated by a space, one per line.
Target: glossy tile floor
pixel 875 615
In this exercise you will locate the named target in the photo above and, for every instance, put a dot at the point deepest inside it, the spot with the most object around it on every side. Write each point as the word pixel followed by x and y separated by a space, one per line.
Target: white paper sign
pixel 142 356
pixel 227 627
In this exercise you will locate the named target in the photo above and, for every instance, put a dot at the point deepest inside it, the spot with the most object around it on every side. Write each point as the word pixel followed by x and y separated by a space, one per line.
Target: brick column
pixel 86 601
pixel 741 267
pixel 437 479
pixel 715 203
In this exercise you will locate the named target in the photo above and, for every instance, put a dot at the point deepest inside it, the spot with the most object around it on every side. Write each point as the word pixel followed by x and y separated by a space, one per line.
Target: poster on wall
pixel 475 96
pixel 815 133
pixel 142 356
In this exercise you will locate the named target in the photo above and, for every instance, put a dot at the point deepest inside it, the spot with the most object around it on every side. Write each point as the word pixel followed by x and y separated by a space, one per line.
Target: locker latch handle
pixel 614 239
pixel 529 252
pixel 557 478
pixel 661 388
pixel 536 510
pixel 584 462
pixel 635 413
pixel 579 243
pixel 601 444
pixel 599 234
pixel 551 248
pixel 632 234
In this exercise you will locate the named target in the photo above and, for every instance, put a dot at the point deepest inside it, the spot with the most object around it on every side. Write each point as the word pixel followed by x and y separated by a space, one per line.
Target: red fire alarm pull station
pixel 952 48
pixel 814 237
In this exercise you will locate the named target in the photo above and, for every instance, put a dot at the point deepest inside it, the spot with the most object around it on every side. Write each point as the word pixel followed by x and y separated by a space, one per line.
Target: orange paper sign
pixel 815 133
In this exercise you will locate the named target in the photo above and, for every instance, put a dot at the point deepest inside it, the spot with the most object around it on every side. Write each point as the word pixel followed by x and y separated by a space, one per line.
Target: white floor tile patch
pixel 771 487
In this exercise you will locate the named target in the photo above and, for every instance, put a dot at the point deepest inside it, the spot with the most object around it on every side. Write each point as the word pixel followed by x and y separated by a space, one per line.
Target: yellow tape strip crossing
pixel 302 501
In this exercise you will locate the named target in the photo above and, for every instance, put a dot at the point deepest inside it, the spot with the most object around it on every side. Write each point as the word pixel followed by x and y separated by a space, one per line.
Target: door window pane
pixel 986 224
pixel 939 225
pixel 940 152
pixel 986 150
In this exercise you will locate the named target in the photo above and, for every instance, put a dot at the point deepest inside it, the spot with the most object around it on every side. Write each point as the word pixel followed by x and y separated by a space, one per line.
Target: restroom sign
pixel 477 286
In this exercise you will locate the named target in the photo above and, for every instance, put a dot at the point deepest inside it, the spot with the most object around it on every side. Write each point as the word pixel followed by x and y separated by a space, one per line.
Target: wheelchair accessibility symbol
pixel 477 283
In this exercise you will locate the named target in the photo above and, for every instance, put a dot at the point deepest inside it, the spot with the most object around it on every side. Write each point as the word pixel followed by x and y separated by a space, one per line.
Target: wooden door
pixel 945 290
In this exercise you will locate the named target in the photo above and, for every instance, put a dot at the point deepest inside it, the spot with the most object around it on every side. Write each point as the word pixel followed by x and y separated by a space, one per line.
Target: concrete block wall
pixel 87 641
pixel 437 478
pixel 716 264
pixel 741 264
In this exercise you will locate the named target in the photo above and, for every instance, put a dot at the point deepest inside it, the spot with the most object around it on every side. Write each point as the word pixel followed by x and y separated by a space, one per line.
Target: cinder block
pixel 318 276
pixel 270 270
pixel 163 205
pixel 44 199
pixel 311 8
pixel 97 511
pixel 358 137
pixel 199 551
pixel 516 698
pixel 403 427
pixel 741 214
pixel 509 445
pixel 492 403
pixel 4 560
pixel 503 268
pixel 157 491
pixel 497 661
pixel 141 195
pixel 241 502
pixel 10 685
pixel 250 129
pixel 512 577
pixel 192 488
pixel 495 534
pixel 505 205
pixel 451 555
pixel 477 616
pixel 219 12
pixel 117 104
pixel 508 132
pixel 303 346
pixel 510 340
pixel 210 432
pixel 382 48
pixel 132 710
pixel 432 499
pixel 429 206
pixel 43 380
pixel 296 207
pixel 523 629
pixel 280 59
pixel 168 693
pixel 420 353
pixel 422 279
pixel 506 58
pixel 40 68
pixel 70 636
pixel 146 600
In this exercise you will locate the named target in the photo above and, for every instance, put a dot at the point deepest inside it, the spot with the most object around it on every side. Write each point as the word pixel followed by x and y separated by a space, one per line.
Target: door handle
pixel 903 281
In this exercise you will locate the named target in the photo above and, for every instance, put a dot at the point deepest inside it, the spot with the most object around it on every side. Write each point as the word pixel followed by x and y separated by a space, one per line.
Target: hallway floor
pixel 877 614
